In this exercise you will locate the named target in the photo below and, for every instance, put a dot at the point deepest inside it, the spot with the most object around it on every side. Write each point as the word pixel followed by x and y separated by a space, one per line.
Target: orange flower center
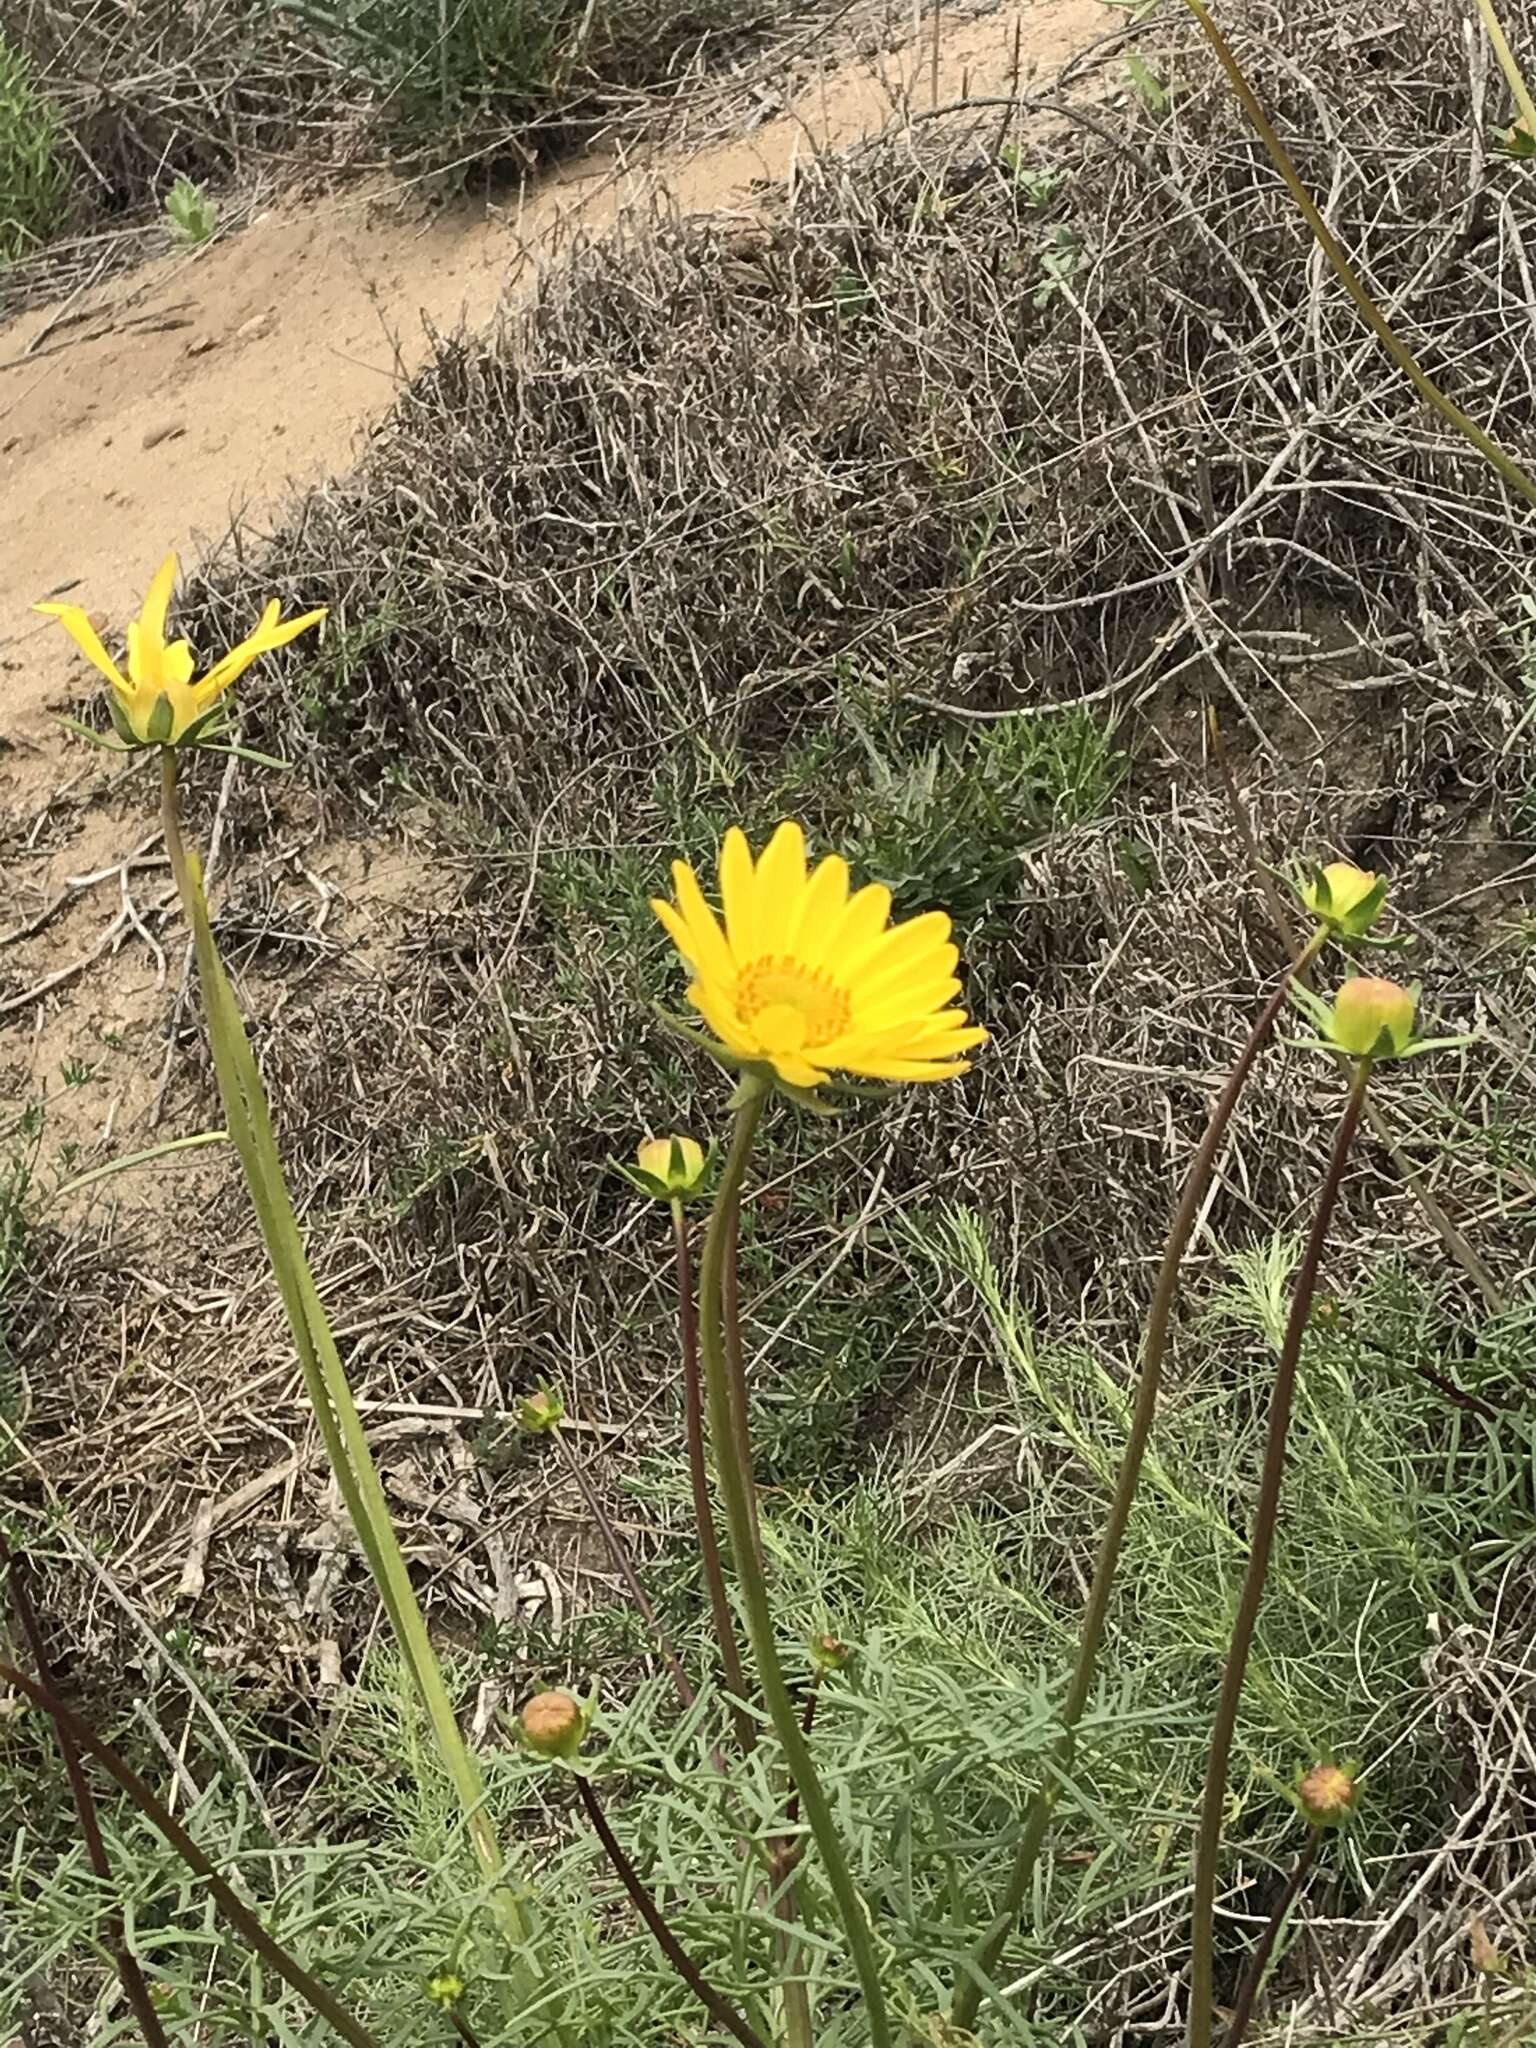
pixel 789 1006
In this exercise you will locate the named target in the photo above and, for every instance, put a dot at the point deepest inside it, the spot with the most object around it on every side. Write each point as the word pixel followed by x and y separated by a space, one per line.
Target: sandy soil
pixel 208 384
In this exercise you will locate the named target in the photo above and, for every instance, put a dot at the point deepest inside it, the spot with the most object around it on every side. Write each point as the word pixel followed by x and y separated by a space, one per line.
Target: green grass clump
pixel 451 78
pixel 34 183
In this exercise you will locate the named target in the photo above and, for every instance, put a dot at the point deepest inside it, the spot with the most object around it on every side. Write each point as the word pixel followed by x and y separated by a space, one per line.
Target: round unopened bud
pixel 1327 1312
pixel 445 1989
pixel 539 1413
pixel 553 1724
pixel 1326 1795
pixel 1340 891
pixel 671 1168
pixel 829 1653
pixel 1373 1019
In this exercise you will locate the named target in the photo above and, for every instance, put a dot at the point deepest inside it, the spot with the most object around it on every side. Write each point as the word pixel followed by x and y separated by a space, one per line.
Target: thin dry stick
pixel 1258 1962
pixel 135 1989
pixel 1333 249
pixel 1458 1246
pixel 623 1564
pixel 698 1479
pixel 980 1968
pixel 1265 1514
pixel 720 2008
pixel 229 1903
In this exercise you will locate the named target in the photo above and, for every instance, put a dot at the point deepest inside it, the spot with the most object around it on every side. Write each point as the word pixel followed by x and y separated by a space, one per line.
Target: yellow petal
pixel 157 602
pixel 79 628
pixel 780 886
pixel 917 999
pixel 711 954
pixel 910 1070
pixel 268 635
pixel 881 985
pixel 737 893
pixel 900 946
pixel 678 932
pixel 176 664
pixel 722 1019
pixel 821 907
pixel 862 921
pixel 797 1072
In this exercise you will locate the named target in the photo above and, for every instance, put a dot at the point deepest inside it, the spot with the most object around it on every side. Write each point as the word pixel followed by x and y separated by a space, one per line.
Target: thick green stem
pixel 1333 249
pixel 235 1911
pixel 980 1968
pixel 1511 70
pixel 736 1362
pixel 1266 1510
pixel 698 1480
pixel 734 1489
pixel 330 1396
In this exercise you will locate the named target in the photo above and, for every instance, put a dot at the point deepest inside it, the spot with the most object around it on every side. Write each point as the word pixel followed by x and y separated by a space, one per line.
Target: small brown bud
pixel 553 1725
pixel 1487 1960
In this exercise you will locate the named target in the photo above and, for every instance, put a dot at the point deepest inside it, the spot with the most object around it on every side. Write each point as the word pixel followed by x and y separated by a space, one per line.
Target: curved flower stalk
pixel 801 978
pixel 1346 902
pixel 1370 1020
pixel 157 704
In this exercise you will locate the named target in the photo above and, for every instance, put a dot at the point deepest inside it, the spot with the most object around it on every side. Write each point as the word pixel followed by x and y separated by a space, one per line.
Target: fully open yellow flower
pixel 157 702
pixel 807 978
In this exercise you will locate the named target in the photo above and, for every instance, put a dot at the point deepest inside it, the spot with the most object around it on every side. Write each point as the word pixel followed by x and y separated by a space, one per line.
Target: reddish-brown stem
pixel 1265 1515
pixel 463 2029
pixel 698 1478
pixel 1258 1962
pixel 135 1989
pixel 718 2007
pixel 228 1901
pixel 624 1565
pixel 972 1988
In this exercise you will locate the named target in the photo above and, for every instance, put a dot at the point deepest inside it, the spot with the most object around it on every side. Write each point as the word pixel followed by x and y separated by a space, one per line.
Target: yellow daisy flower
pixel 807 978
pixel 158 703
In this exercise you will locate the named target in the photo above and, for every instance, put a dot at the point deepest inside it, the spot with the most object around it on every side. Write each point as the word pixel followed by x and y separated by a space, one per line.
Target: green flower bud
pixel 1373 1019
pixel 828 1654
pixel 1344 897
pixel 668 1169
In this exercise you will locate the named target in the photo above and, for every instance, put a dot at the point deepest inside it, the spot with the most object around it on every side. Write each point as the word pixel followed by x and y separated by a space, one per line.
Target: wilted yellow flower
pixel 1344 896
pixel 1327 1794
pixel 808 979
pixel 445 1989
pixel 538 1414
pixel 553 1724
pixel 158 703
pixel 1373 1018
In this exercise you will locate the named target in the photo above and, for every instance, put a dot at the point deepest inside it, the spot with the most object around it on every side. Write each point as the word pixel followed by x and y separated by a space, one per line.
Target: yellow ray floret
pixel 810 978
pixel 158 701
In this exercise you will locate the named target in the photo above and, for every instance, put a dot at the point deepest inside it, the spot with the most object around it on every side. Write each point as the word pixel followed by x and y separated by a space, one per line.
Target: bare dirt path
pixel 211 382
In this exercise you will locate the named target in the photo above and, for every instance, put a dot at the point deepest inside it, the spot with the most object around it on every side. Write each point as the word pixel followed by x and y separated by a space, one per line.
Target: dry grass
pixel 738 522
